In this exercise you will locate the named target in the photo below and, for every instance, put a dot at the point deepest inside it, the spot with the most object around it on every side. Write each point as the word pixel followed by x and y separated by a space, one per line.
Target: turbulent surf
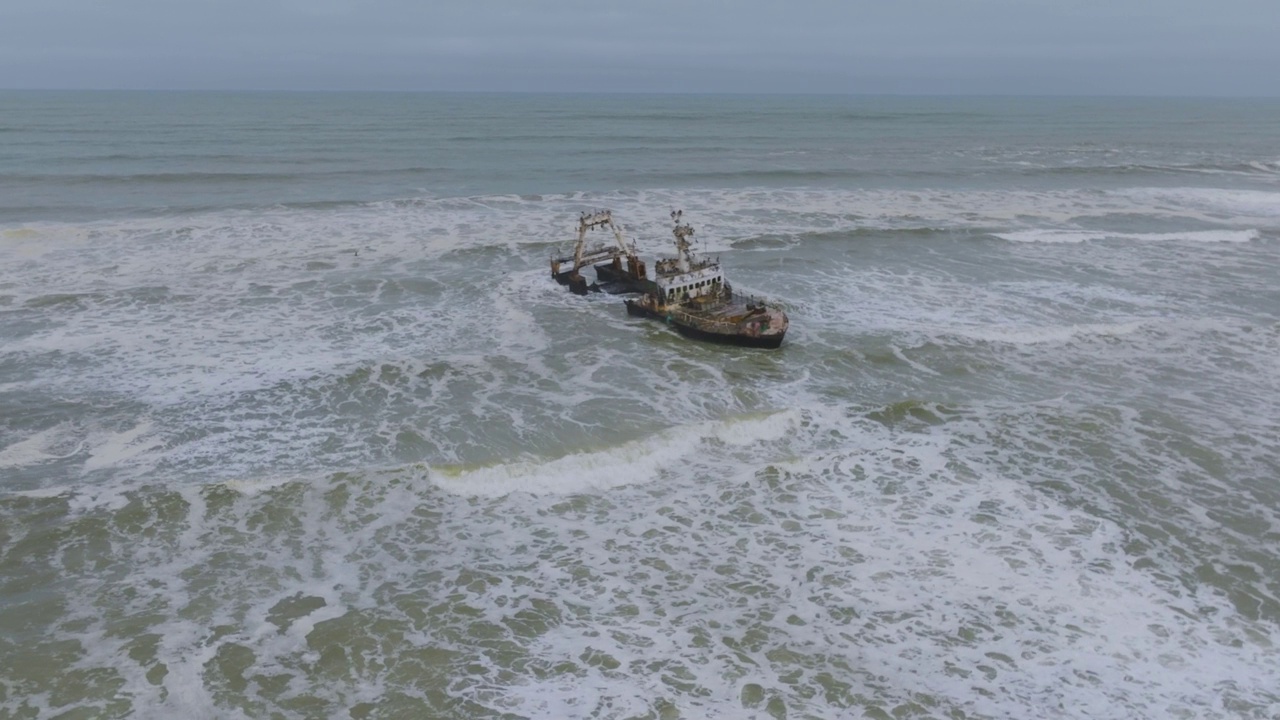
pixel 309 432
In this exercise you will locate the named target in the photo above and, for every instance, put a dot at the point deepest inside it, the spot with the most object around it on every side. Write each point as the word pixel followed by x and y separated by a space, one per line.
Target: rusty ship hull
pixel 729 324
pixel 612 278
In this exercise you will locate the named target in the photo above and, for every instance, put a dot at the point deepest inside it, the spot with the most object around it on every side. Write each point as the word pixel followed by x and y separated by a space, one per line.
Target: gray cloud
pixel 908 46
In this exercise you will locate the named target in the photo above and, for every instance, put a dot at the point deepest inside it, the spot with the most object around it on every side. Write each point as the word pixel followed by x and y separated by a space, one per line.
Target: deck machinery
pixel 618 267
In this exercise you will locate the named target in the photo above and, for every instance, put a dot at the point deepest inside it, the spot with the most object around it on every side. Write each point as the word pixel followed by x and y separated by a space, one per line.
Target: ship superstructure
pixel 691 294
pixel 687 276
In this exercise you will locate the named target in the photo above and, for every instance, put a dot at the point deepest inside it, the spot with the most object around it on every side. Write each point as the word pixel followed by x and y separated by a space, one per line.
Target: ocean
pixel 294 422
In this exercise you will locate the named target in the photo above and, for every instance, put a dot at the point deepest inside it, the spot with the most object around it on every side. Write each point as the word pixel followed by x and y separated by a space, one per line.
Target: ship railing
pixel 702 323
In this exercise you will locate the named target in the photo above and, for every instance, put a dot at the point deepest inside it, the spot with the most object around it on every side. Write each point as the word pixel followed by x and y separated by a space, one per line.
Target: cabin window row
pixel 673 292
pixel 691 286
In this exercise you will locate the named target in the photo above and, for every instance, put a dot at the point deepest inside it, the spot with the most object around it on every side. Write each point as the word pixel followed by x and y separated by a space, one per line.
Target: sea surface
pixel 295 424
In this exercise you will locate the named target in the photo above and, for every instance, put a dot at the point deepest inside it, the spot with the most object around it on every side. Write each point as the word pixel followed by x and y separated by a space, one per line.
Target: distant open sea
pixel 295 424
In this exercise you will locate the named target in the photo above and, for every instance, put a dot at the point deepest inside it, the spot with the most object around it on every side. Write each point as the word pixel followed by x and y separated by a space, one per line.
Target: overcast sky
pixel 1129 47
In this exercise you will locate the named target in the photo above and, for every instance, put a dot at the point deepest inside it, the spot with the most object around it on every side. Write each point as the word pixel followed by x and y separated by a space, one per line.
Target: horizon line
pixel 694 93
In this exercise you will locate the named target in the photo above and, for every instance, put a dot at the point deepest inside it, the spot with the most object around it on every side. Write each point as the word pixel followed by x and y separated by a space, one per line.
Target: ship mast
pixel 682 232
pixel 591 221
pixel 619 267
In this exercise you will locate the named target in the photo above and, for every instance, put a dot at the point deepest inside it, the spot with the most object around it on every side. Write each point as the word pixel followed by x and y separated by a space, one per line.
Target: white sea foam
pixel 207 316
pixel 1238 207
pixel 113 448
pixel 1038 335
pixel 639 461
pixel 284 239
pixel 254 486
pixel 818 547
pixel 1021 576
pixel 56 443
pixel 587 516
pixel 1077 236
